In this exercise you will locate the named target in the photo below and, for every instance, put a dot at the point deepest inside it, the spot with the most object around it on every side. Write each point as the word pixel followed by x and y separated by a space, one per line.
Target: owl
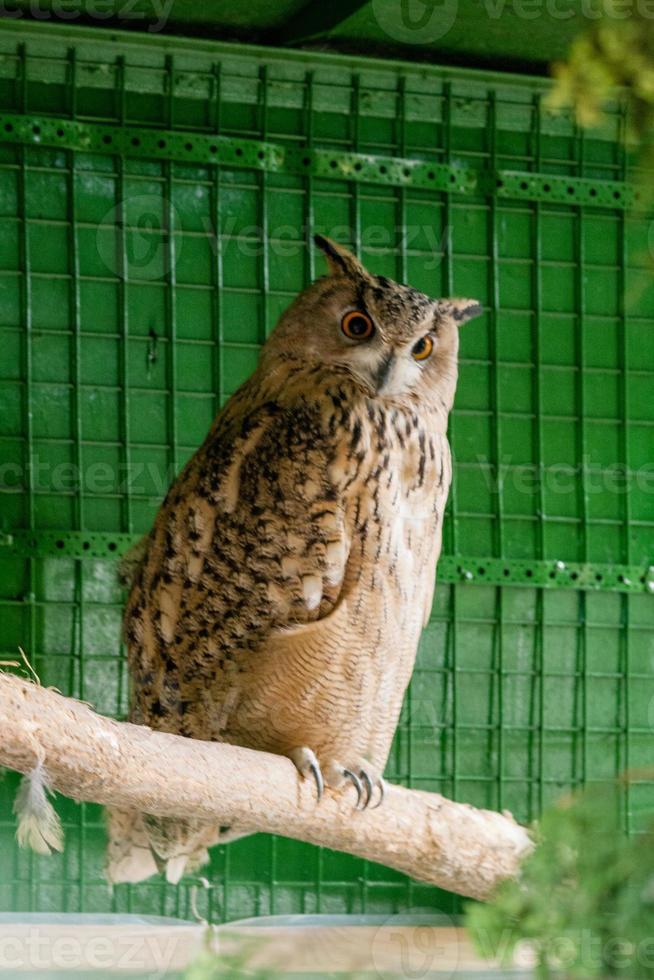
pixel 278 601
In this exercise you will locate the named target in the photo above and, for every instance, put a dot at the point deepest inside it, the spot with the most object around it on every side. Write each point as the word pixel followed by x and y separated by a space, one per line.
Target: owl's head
pixel 394 341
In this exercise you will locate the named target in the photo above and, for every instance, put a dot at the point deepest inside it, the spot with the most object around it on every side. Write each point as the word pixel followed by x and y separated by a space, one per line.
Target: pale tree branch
pixel 88 757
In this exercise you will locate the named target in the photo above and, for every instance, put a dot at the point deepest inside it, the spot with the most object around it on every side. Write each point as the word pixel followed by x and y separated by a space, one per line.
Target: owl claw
pixel 357 785
pixel 382 791
pixel 317 775
pixel 305 761
pixel 367 782
pixel 370 788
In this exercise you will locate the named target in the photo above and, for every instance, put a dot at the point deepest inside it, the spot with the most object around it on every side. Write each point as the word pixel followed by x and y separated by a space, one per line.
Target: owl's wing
pixel 253 537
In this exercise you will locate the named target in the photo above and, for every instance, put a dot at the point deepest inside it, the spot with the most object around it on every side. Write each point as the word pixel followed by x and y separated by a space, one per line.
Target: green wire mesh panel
pixel 157 202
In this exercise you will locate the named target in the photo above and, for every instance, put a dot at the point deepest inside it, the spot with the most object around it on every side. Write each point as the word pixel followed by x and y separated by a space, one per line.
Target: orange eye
pixel 423 348
pixel 357 325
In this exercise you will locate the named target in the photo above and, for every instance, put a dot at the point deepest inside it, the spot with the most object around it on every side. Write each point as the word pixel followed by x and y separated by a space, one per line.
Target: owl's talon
pixel 357 785
pixel 317 775
pixel 366 780
pixel 382 790
pixel 305 761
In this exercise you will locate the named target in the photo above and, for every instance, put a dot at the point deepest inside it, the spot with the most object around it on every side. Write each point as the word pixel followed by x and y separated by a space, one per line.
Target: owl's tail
pixel 141 845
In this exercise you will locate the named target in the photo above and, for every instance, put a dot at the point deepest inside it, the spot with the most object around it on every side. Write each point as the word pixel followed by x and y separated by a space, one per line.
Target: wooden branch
pixel 89 757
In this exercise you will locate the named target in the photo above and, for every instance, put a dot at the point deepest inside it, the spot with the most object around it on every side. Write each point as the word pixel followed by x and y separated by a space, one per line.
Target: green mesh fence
pixel 157 202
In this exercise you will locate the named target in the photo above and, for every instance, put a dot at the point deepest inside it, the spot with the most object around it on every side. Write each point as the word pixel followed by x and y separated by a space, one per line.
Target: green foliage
pixel 585 900
pixel 616 51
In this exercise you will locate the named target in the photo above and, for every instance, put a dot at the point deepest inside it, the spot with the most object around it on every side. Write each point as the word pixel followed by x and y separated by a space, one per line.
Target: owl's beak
pixel 389 376
pixel 383 373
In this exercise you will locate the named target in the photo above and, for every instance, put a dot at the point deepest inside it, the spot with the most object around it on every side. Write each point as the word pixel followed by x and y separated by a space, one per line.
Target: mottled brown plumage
pixel 281 593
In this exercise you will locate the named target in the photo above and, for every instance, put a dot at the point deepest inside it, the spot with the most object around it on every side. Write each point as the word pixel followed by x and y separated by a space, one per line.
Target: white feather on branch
pixel 39 826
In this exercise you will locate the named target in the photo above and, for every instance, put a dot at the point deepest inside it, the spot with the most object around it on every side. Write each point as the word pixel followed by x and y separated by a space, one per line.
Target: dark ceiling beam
pixel 315 20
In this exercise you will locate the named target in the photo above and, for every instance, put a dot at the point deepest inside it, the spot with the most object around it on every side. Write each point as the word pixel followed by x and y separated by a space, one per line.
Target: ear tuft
pixel 462 310
pixel 341 262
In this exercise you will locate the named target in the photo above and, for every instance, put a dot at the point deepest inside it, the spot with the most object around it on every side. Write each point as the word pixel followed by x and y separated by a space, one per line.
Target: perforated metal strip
pixel 466 570
pixel 568 190
pixel 186 146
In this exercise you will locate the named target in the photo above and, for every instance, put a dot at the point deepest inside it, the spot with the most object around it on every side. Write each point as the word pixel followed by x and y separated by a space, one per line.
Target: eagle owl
pixel 279 598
